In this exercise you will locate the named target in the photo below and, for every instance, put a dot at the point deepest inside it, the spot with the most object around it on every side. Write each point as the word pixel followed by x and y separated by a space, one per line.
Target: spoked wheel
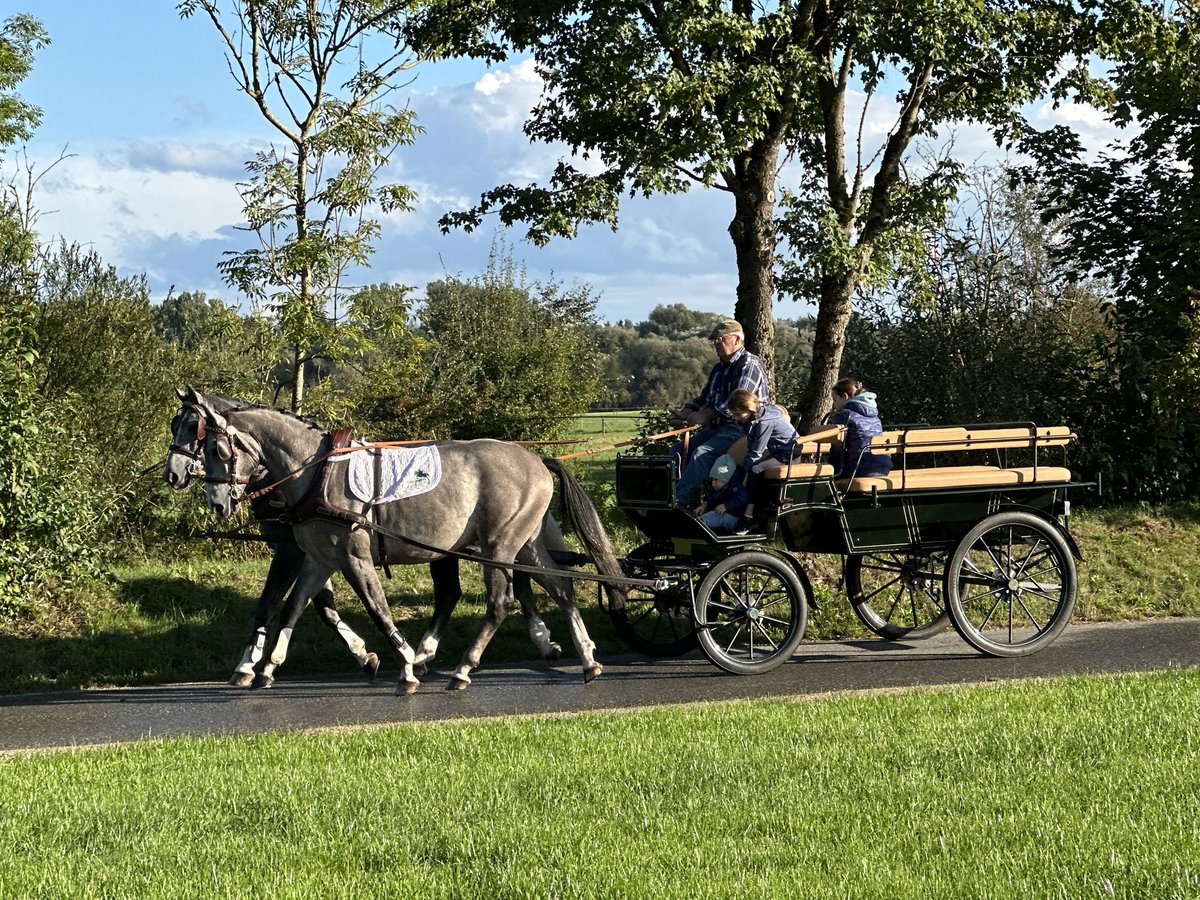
pixel 750 611
pixel 898 595
pixel 657 622
pixel 1010 584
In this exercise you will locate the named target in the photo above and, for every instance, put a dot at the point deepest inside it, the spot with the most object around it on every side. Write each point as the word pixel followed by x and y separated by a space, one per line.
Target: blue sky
pixel 158 137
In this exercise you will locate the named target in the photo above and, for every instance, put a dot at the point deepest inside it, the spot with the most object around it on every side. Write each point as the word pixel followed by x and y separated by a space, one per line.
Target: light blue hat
pixel 723 468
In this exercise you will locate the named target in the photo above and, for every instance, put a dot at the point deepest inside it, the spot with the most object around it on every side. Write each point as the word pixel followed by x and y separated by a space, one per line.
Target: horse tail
pixel 580 515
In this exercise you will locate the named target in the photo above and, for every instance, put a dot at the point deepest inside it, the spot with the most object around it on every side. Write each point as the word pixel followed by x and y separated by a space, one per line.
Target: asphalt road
pixel 83 718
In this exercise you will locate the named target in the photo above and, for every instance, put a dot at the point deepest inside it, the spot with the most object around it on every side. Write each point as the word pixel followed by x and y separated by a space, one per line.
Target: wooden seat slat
pixel 956 476
pixel 936 440
pixel 798 470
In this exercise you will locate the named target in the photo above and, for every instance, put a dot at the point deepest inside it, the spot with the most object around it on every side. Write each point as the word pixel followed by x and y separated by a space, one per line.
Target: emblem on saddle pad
pixel 402 472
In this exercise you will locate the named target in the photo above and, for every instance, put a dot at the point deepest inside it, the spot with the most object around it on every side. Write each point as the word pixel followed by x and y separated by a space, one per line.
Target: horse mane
pixel 238 405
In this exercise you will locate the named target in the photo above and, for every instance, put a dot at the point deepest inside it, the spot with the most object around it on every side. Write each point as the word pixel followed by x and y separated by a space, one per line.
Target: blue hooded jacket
pixel 769 434
pixel 860 415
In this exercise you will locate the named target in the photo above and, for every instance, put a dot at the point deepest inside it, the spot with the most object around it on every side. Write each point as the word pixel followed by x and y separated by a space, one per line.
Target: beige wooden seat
pixel 961 438
pixel 807 445
pixel 956 476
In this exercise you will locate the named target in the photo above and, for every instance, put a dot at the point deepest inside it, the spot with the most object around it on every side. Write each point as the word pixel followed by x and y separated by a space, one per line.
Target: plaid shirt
pixel 742 370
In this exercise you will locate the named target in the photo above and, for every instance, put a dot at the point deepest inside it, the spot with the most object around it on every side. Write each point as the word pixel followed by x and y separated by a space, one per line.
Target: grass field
pixel 1078 787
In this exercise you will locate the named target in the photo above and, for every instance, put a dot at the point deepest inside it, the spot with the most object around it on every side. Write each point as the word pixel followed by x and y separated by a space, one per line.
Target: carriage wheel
pixel 898 595
pixel 1010 584
pixel 657 623
pixel 750 611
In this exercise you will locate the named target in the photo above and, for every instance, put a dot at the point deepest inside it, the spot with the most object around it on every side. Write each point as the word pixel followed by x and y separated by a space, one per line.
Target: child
pixel 722 510
pixel 770 443
pixel 856 409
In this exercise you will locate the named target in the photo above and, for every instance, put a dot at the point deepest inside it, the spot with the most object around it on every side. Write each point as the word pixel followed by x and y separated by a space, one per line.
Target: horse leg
pixel 312 576
pixel 563 591
pixel 447 591
pixel 500 600
pixel 285 564
pixel 539 633
pixel 359 570
pixel 323 601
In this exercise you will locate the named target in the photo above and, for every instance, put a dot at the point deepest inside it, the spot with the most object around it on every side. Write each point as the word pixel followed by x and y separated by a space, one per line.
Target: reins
pixel 383 445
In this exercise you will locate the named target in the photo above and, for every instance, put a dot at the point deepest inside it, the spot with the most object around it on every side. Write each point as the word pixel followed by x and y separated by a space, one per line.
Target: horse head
pixel 185 458
pixel 232 459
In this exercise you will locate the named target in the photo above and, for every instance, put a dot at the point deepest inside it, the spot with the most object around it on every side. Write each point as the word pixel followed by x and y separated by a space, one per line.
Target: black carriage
pixel 968 529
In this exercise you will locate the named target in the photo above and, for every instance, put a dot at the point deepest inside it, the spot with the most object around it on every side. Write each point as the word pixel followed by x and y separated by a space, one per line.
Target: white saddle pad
pixel 403 472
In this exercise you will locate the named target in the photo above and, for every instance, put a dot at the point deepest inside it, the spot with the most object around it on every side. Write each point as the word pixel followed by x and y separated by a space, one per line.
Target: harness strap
pixel 314 502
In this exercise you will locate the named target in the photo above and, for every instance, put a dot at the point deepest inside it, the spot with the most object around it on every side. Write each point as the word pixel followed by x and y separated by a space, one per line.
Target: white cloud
pixel 503 97
pixel 654 243
pixel 113 205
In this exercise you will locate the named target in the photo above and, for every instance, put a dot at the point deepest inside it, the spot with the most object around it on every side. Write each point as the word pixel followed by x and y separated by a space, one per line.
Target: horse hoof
pixel 241 679
pixel 457 684
pixel 419 668
pixel 262 681
pixel 407 687
pixel 371 666
pixel 554 654
pixel 591 674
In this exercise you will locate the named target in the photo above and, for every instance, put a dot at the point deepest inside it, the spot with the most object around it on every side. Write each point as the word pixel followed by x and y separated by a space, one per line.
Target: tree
pixel 657 96
pixel 20 37
pixel 1135 220
pixel 47 509
pixel 509 359
pixel 212 345
pixel 379 382
pixel 1002 335
pixel 309 202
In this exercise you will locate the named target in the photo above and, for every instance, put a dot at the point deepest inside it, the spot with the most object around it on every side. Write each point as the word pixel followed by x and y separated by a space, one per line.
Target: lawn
pixel 1076 787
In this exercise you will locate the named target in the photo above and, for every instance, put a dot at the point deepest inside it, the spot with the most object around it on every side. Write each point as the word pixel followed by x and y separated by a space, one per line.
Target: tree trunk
pixel 297 379
pixel 833 315
pixel 754 240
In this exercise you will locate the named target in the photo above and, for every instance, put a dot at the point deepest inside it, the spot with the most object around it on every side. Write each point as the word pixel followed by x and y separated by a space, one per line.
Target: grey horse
pixel 184 463
pixel 492 495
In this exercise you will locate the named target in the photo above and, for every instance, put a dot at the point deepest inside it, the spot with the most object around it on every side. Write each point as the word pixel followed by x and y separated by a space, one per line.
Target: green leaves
pixel 20 37
pixel 311 202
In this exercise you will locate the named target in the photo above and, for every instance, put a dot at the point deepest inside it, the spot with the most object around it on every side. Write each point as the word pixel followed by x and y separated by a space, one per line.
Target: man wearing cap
pixel 736 368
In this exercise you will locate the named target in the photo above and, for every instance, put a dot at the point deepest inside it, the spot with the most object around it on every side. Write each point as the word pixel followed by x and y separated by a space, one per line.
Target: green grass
pixel 1077 787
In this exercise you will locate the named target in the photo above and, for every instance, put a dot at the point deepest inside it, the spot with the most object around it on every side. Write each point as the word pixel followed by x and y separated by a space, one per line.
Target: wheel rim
pixel 1014 587
pixel 658 623
pixel 898 595
pixel 750 615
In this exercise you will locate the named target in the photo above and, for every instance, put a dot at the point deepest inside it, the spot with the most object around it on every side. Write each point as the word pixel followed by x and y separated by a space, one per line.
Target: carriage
pixel 969 529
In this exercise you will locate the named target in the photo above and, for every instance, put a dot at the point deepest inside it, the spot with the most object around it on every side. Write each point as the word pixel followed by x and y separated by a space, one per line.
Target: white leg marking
pixel 426 650
pixel 253 653
pixel 356 644
pixel 279 654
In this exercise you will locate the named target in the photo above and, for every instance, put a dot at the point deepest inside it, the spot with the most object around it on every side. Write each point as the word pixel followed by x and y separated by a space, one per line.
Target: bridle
pixel 227 440
pixel 195 451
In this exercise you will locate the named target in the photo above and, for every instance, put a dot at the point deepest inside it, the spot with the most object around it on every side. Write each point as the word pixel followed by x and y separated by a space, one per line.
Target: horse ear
pixel 180 394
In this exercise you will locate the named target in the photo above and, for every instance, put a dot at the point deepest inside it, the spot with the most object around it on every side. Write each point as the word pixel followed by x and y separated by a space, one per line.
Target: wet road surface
pixel 82 718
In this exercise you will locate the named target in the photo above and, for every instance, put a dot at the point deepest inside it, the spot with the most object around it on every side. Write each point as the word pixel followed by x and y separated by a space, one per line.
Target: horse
pixel 493 494
pixel 184 462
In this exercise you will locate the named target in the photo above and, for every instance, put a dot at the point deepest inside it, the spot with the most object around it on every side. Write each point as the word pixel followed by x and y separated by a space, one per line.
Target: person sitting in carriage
pixel 770 443
pixel 856 409
pixel 736 367
pixel 722 508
